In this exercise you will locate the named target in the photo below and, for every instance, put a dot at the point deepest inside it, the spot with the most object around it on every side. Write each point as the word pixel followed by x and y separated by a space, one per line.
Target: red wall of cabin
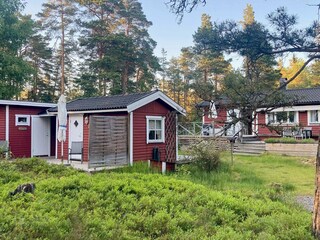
pixel 20 136
pixel 141 150
pixel 303 121
pixel 219 120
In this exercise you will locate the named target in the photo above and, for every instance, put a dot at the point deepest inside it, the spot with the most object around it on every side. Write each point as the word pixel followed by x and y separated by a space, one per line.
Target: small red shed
pixel 122 129
pixel 27 132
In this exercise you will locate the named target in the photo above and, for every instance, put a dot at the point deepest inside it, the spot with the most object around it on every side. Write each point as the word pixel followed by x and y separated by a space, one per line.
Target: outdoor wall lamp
pixel 86 120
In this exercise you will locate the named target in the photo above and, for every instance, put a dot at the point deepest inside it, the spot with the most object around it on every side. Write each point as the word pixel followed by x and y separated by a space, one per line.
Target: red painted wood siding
pixel 20 136
pixel 2 122
pixel 303 121
pixel 219 121
pixel 141 150
pixel 315 126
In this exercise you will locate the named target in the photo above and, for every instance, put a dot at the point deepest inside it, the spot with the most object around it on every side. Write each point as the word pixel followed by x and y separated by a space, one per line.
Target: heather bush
pixel 74 205
pixel 205 155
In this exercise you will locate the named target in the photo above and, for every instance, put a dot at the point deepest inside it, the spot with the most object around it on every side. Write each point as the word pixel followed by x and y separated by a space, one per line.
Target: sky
pixel 172 36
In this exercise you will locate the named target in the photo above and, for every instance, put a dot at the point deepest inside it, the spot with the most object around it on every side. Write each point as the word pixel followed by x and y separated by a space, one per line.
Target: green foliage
pixel 205 155
pixel 14 32
pixel 74 205
pixel 116 48
pixel 290 140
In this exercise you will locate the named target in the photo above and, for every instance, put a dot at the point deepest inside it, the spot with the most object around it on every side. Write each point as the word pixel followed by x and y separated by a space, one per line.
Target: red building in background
pixel 300 119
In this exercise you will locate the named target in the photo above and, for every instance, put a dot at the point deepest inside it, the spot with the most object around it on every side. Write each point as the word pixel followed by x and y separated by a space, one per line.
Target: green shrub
pixel 289 140
pixel 205 155
pixel 76 205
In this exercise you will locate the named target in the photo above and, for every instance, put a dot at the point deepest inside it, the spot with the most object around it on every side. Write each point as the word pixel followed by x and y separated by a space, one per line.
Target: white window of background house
pixel 155 129
pixel 22 120
pixel 282 117
pixel 314 116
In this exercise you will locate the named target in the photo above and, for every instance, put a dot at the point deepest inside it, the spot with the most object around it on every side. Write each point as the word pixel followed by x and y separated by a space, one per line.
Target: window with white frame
pixel 314 116
pixel 289 117
pixel 22 120
pixel 155 129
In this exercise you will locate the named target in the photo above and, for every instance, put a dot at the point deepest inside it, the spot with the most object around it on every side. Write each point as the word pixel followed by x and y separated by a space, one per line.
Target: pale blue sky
pixel 173 36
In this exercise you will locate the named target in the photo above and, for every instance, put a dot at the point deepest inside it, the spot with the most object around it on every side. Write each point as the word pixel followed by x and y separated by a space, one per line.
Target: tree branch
pixel 302 68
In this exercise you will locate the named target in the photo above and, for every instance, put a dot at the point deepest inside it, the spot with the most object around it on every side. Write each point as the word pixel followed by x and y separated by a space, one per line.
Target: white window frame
pixel 309 117
pixel 26 123
pixel 162 119
pixel 276 122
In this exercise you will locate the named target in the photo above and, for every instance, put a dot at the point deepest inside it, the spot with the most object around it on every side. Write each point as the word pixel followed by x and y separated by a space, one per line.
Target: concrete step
pixel 254 142
pixel 249 138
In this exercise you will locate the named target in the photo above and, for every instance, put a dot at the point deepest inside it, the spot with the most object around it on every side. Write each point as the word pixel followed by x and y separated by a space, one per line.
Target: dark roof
pixel 304 96
pixel 104 103
pixel 301 96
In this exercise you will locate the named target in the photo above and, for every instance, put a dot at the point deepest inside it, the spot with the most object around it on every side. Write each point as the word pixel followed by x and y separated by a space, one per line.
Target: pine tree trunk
pixel 124 79
pixel 316 205
pixel 62 48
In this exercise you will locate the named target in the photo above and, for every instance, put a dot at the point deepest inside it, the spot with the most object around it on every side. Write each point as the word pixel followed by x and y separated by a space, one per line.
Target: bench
pixel 76 149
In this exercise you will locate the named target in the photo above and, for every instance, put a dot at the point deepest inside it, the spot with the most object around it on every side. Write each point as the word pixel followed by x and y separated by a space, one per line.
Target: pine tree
pixel 210 61
pixel 15 29
pixel 121 51
pixel 248 16
pixel 58 23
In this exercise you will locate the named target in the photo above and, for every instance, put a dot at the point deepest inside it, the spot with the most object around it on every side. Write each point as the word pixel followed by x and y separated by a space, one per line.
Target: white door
pixel 75 131
pixel 40 136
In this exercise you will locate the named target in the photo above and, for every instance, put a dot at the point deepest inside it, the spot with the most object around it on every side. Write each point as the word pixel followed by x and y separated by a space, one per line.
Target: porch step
pixel 250 138
pixel 249 148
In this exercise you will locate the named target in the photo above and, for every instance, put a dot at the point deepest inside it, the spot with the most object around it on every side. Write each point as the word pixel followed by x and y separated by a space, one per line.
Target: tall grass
pixel 256 173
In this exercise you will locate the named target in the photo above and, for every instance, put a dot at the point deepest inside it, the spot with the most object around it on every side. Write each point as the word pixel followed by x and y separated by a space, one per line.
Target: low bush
pixel 205 155
pixel 76 205
pixel 290 140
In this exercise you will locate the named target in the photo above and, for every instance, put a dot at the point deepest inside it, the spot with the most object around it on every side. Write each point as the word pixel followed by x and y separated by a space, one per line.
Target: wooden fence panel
pixel 108 141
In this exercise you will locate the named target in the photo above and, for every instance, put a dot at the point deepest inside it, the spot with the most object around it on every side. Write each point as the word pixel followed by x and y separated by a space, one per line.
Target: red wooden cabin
pixel 27 132
pixel 122 129
pixel 303 115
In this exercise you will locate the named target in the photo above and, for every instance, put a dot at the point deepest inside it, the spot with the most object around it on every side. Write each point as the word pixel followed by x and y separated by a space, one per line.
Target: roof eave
pixel 92 111
pixel 28 104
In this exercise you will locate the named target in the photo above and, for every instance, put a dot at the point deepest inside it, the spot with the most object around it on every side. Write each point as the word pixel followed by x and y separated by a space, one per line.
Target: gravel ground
pixel 306 202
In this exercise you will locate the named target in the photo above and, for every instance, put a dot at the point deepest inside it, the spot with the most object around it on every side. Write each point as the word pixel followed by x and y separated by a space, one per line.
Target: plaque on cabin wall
pixel 22 128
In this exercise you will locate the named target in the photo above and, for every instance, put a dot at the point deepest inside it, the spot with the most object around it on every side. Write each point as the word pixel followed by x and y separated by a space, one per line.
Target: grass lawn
pixel 294 173
pixel 254 173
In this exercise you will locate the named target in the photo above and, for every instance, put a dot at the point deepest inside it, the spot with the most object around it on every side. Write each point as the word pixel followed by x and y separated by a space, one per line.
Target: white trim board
pixel 7 123
pixel 131 139
pixel 294 108
pixel 30 104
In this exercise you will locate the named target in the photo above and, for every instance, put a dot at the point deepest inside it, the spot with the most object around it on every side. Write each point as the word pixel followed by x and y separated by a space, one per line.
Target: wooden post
pixel 316 205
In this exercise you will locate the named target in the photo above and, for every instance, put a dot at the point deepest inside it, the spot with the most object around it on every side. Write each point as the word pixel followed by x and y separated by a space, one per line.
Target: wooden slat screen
pixel 108 141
